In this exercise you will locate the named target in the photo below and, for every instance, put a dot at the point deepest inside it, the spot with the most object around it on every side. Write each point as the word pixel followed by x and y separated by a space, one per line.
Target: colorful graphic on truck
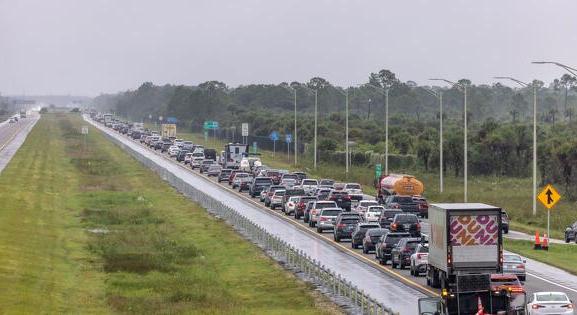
pixel 471 230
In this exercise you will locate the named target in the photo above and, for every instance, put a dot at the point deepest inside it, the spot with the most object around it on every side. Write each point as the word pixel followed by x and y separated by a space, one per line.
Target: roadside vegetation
pixel 559 255
pixel 87 229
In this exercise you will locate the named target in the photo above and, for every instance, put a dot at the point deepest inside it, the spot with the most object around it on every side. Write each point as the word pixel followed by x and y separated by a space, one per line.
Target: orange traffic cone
pixel 537 241
pixel 545 244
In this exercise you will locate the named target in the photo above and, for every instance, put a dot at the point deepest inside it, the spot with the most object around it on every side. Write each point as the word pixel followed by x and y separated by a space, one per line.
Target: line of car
pixel 390 230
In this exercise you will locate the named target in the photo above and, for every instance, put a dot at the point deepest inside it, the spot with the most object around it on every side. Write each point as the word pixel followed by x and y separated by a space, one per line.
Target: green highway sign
pixel 378 170
pixel 210 125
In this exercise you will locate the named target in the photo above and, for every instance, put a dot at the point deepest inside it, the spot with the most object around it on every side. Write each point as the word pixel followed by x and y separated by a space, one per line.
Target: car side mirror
pixel 524 261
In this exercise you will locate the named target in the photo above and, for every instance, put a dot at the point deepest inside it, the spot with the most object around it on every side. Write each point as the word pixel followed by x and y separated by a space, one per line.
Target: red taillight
pixel 406 250
pixel 395 206
pixel 569 306
pixel 419 256
pixel 394 226
pixel 418 227
pixel 341 225
pixel 323 219
pixel 346 198
pixel 537 306
pixel 521 266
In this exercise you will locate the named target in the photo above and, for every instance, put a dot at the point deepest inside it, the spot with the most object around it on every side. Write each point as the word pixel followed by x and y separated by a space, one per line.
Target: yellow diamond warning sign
pixel 549 197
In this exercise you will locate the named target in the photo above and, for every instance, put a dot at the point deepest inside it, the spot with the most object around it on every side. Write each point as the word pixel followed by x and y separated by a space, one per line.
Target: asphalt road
pixel 12 135
pixel 540 277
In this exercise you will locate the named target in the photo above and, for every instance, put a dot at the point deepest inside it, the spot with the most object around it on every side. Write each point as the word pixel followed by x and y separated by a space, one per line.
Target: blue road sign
pixel 274 136
pixel 171 120
pixel 288 138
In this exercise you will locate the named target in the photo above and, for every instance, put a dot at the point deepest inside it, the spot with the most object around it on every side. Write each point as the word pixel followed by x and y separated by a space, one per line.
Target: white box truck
pixel 465 248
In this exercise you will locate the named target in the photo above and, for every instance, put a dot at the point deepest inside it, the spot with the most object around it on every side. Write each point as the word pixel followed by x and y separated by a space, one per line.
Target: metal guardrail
pixel 294 258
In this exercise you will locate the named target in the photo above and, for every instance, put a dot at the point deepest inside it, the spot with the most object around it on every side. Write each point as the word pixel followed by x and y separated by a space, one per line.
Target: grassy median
pixel 84 228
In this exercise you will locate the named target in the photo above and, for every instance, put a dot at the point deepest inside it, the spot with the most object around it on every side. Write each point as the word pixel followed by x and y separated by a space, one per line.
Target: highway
pixel 395 288
pixel 12 135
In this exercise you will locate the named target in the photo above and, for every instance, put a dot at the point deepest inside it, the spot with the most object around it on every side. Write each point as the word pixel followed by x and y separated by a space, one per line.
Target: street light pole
pixel 291 89
pixel 439 95
pixel 465 140
pixel 316 127
pixel 523 84
pixel 385 93
pixel 347 158
pixel 387 130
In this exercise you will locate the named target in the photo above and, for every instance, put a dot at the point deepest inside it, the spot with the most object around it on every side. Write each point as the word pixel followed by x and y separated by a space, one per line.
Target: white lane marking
pixel 551 282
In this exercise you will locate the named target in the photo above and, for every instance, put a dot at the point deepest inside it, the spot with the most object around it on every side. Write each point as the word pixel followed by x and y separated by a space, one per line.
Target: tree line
pixel 500 130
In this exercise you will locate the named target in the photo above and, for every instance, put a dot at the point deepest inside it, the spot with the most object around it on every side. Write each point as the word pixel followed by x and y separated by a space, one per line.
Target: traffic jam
pixel 451 252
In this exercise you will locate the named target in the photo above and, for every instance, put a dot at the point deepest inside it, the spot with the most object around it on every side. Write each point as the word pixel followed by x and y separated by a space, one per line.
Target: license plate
pixel 406 226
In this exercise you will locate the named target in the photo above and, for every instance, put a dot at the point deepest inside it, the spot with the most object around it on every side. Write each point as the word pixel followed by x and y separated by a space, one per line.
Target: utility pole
pixel 465 135
pixel 439 95
pixel 526 85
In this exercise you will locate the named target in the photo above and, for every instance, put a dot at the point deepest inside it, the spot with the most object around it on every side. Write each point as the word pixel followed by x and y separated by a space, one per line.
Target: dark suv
pixel 258 185
pixel 302 204
pixel 401 253
pixel 405 203
pixel 342 199
pixel 360 231
pixel 385 245
pixel 571 233
pixel 371 239
pixel 406 223
pixel 387 216
pixel 181 154
pixel 345 224
pixel 224 174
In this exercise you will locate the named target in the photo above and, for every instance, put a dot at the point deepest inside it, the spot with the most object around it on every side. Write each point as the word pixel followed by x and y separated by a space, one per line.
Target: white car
pixel 419 260
pixel 290 205
pixel 373 213
pixel 550 303
pixel 195 161
pixel 363 205
pixel 238 178
pixel 355 190
pixel 309 185
pixel 244 165
pixel 173 150
pixel 188 158
pixel 276 199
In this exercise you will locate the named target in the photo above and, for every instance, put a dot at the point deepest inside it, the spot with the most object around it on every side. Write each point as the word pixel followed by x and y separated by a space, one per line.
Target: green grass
pixel 159 252
pixel 560 256
pixel 512 194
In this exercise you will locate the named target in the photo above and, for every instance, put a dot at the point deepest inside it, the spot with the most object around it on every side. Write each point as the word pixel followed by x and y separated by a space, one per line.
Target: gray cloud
pixel 88 47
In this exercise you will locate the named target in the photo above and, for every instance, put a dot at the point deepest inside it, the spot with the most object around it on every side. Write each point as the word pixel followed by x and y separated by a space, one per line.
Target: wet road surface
pixel 393 287
pixel 12 135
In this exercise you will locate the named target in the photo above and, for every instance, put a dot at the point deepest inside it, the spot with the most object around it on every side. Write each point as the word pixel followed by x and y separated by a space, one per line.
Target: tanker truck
pixel 398 184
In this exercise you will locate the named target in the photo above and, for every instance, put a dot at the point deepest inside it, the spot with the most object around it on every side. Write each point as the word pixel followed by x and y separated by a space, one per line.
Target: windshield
pixel 290 176
pixel 350 220
pixel 394 238
pixel 368 203
pixel 552 297
pixel 279 193
pixel 330 213
pixel 403 199
pixel 406 218
pixel 327 182
pixel 309 182
pixel 512 258
pixel 321 205
pixel 263 181
pixel 353 186
pixel 376 209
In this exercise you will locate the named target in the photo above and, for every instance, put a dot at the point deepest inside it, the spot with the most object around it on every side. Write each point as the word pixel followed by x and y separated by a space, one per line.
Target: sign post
pixel 244 133
pixel 378 171
pixel 288 139
pixel 549 198
pixel 254 147
pixel 209 125
pixel 274 137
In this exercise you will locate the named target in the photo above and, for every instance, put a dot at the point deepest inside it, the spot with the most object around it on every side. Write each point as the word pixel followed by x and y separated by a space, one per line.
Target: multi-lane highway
pixel 12 135
pixel 395 288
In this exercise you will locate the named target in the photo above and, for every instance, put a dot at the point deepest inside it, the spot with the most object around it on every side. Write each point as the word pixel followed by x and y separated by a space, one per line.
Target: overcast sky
pixel 93 46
